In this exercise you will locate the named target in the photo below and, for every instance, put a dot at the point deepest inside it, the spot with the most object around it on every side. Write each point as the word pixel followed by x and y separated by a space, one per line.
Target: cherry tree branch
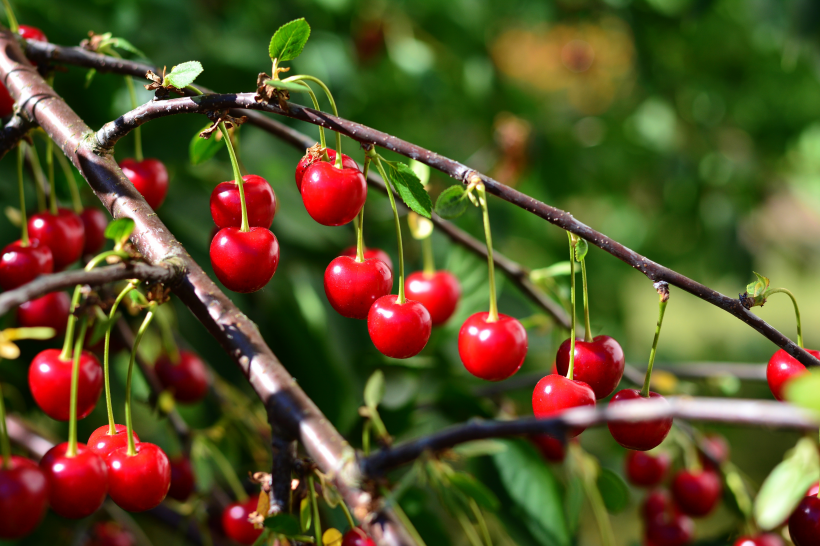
pixel 12 133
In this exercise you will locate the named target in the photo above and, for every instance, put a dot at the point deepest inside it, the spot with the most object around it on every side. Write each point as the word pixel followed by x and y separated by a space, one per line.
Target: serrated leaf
pixel 293 87
pixel 573 504
pixel 452 202
pixel 802 391
pixel 475 490
pixel 374 389
pixel 119 230
pixel 787 484
pixel 409 187
pixel 305 514
pixel 421 170
pixel 183 75
pixel 581 249
pixel 289 40
pixel 283 524
pixel 614 491
pixel 202 149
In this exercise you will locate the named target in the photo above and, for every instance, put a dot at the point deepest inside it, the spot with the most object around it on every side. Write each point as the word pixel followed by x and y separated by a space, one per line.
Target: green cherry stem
pixel 169 344
pixel 76 202
pixel 427 255
pixel 75 381
pixel 796 310
pixel 663 291
pixel 485 213
pixel 332 105
pixel 10 14
pixel 237 175
pixel 129 422
pixel 572 307
pixel 346 510
pixel 132 93
pixel 5 445
pixel 52 196
pixel 587 328
pixel 317 524
pixel 112 426
pixel 372 152
pixel 315 102
pixel 39 177
pixel 21 188
pixel 360 220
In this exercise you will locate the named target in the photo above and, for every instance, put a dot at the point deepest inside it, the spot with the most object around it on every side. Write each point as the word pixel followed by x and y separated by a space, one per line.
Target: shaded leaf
pixel 787 484
pixel 89 77
pixel 289 40
pixel 183 75
pixel 283 524
pixel 119 230
pixel 614 491
pixel 475 490
pixel 125 45
pixel 574 503
pixel 374 389
pixel 409 188
pixel 452 202
pixel 202 149
pixel 264 538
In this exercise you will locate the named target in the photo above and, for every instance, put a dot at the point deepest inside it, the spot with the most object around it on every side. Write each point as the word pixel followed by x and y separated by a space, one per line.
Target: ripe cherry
pixel 555 393
pixel 31 33
pixel 398 330
pixel 149 177
pixel 77 485
pixel 187 379
pixel 357 537
pixel 657 503
pixel 718 447
pixel 352 287
pixel 804 523
pixel 639 435
pixel 645 470
pixel 672 530
pixel 23 497
pixel 696 493
pixel 21 264
pixel 768 539
pixel 94 221
pixel 235 522
pixel 244 261
pixel 138 482
pixel 6 102
pixel 439 292
pixel 333 197
pixel 49 311
pixel 551 449
pixel 182 479
pixel 599 364
pixel 309 159
pixel 226 207
pixel 377 253
pixel 63 234
pixel 102 443
pixel 492 350
pixel 782 368
pixel 49 378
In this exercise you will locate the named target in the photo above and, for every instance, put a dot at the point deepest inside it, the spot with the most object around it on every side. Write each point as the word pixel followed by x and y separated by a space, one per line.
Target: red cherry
pixel 804 523
pixel 182 479
pixel 814 490
pixel 551 449
pixel 63 234
pixel 94 221
pixel 21 264
pixel 150 178
pixel 377 253
pixel 31 33
pixel 599 364
pixel 352 287
pixel 77 485
pixel 226 207
pixel 49 378
pixel 676 530
pixel 138 482
pixel 639 435
pixel 696 493
pixel 657 504
pixel 782 368
pixel 235 522
pixel 6 102
pixel 188 379
pixel 244 261
pixel 49 311
pixel 23 497
pixel 309 160
pixel 492 350
pixel 102 443
pixel 333 197
pixel 357 537
pixel 768 539
pixel 398 330
pixel 718 447
pixel 438 292
pixel 555 393
pixel 110 533
pixel 645 470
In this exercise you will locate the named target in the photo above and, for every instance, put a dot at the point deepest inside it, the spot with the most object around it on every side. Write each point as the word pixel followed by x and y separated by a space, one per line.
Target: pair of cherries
pixel 244 261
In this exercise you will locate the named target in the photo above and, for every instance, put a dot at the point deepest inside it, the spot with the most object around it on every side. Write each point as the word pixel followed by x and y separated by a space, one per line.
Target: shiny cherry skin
pixel 782 368
pixel 439 292
pixel 555 393
pixel 21 264
pixel 31 33
pixel 138 482
pixel 63 234
pixel 226 207
pixel 352 287
pixel 182 479
pixel 77 485
pixel 697 493
pixel 102 443
pixel 551 449
pixel 377 253
pixel 149 177
pixel 599 364
pixel 767 539
pixel 639 435
pixel 357 537
pixel 333 197
pixel 398 330
pixel 718 447
pixel 49 378
pixel 674 530
pixel 23 497
pixel 49 311
pixel 492 350
pixel 187 379
pixel 235 522
pixel 94 221
pixel 804 523
pixel 308 160
pixel 244 261
pixel 645 470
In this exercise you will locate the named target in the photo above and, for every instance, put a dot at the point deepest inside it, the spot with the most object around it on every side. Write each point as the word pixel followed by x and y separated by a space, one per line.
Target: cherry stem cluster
pixel 571 368
pixel 663 300
pixel 300 79
pixel 129 422
pixel 236 174
pixel 112 425
pixel 796 310
pixel 372 153
pixel 75 382
pixel 39 177
pixel 492 316
pixel 315 102
pixel 5 445
pixel 23 222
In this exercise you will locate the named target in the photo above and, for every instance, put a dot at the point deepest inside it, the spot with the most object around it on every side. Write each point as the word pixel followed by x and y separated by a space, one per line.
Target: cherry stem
pixel 572 307
pixel 321 84
pixel 360 220
pixel 75 382
pixel 52 197
pixel 401 299
pixel 227 471
pixel 346 510
pixel 112 425
pixel 587 327
pixel 315 102
pixel 427 252
pixel 129 82
pixel 72 183
pixel 648 378
pixel 317 524
pixel 21 187
pixel 488 236
pixel 5 445
pixel 796 310
pixel 236 175
pixel 129 423
pixel 39 177
pixel 10 14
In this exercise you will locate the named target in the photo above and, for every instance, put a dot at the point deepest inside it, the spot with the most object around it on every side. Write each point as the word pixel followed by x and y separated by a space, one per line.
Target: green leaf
pixel 558 269
pixel 574 503
pixel 283 524
pixel 474 489
pixel 287 43
pixel 581 249
pixel 614 491
pixel 802 391
pixel 89 77
pixel 755 291
pixel 202 149
pixel 787 484
pixel 305 514
pixel 293 87
pixel 479 448
pixel 374 389
pixel 183 75
pixel 125 45
pixel 452 202
pixel 119 230
pixel 409 187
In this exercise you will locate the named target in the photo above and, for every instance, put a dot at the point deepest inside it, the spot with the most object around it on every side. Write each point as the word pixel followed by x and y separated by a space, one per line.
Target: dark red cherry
pixel 646 470
pixel 49 378
pixel 31 33
pixel 23 497
pixel 310 159
pixel 439 292
pixel 94 221
pixel 555 393
pixel 102 443
pixel 782 368
pixel 398 330
pixel 110 533
pixel 49 311
pixel 357 537
pixel 138 482
pixel 235 522
pixel 226 207
pixel 21 264
pixel 333 197
pixel 182 479
pixel 717 446
pixel 244 261
pixel 551 449
pixel 63 234
pixel 697 492
pixel 77 485
pixel 639 435
pixel 768 539
pixel 657 503
pixel 352 287
pixel 6 102
pixel 150 178
pixel 599 364
pixel 674 530
pixel 369 253
pixel 187 379
pixel 492 350
pixel 804 523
